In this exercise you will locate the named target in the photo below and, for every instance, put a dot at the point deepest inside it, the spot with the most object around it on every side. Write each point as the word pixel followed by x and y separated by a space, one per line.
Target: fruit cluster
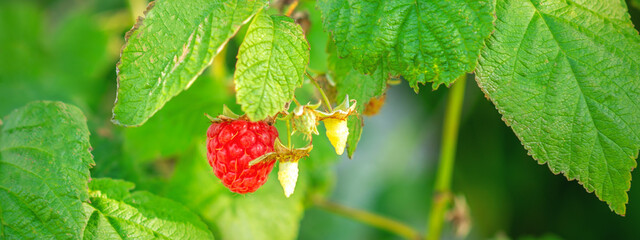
pixel 243 153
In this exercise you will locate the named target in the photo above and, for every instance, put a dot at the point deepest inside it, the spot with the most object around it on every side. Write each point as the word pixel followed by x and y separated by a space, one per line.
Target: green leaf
pixel 116 213
pixel 180 124
pixel 271 64
pixel 167 50
pixel 350 82
pixel 44 171
pixel 357 86
pixel 355 125
pixel 265 214
pixel 565 75
pixel 424 41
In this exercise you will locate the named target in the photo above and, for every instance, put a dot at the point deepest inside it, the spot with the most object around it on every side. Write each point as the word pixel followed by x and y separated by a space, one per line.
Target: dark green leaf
pixel 167 50
pixel 271 64
pixel 44 171
pixel 566 77
pixel 424 41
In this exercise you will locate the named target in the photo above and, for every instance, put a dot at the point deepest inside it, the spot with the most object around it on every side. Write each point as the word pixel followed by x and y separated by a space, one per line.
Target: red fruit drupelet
pixel 231 145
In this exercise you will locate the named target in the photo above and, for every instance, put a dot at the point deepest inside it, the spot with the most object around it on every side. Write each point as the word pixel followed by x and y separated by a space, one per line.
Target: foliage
pixel 168 48
pixel 45 171
pixel 562 74
pixel 271 64
pixel 356 85
pixel 573 107
pixel 424 41
pixel 46 191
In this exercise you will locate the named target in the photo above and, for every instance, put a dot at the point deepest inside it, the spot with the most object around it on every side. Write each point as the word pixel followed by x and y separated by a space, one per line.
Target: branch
pixel 368 218
pixel 442 191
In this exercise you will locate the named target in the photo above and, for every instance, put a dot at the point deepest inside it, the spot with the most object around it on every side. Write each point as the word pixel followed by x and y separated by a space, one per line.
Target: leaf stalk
pixel 324 96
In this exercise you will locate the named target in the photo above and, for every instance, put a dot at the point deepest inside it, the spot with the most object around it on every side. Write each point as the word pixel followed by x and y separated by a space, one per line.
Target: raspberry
pixel 337 132
pixel 288 176
pixel 305 120
pixel 231 145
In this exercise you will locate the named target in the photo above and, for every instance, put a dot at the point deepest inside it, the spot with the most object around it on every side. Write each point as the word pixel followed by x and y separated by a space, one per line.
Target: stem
pixel 291 8
pixel 296 101
pixel 324 96
pixel 288 133
pixel 368 218
pixel 442 192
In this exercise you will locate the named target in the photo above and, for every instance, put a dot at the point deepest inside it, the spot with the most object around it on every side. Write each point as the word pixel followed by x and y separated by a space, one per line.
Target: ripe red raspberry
pixel 231 145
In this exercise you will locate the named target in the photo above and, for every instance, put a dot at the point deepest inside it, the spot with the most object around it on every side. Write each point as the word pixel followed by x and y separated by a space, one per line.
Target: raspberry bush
pixel 306 76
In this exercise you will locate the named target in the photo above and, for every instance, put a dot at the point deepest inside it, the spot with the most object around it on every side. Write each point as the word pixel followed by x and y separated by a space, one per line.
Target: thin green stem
pixel 324 96
pixel 296 101
pixel 442 192
pixel 372 219
pixel 288 133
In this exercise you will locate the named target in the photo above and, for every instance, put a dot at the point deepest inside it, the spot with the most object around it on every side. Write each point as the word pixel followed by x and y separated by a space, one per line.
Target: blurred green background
pixel 67 50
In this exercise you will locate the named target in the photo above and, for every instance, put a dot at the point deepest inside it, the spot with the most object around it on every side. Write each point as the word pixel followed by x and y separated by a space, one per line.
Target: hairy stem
pixel 442 192
pixel 288 133
pixel 372 219
pixel 324 96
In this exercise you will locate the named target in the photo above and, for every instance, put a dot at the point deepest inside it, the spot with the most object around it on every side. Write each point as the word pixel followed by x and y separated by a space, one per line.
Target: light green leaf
pixel 424 41
pixel 44 171
pixel 167 50
pixel 271 64
pixel 565 75
pixel 117 214
pixel 357 86
pixel 263 215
